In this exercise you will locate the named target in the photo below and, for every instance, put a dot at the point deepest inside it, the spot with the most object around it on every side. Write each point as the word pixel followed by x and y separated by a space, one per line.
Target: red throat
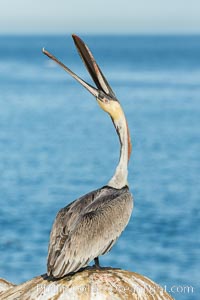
pixel 129 142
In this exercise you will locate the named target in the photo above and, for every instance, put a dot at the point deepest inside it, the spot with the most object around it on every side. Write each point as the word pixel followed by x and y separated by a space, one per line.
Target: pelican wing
pixel 64 223
pixel 94 232
pixel 92 66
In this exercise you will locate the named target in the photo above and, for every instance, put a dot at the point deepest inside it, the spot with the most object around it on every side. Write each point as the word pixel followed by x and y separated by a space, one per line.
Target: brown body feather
pixel 87 228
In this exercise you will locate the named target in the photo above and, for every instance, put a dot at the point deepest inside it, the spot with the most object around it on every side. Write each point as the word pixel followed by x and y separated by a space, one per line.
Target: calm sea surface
pixel 56 144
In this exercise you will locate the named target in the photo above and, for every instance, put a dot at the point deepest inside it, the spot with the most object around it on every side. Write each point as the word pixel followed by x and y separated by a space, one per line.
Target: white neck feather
pixel 119 179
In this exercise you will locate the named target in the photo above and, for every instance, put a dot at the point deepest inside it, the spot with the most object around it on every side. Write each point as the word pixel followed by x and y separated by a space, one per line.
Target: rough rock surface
pixel 5 285
pixel 90 284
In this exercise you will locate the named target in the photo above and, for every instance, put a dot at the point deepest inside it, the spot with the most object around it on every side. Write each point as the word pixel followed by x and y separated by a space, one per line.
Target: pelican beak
pixel 103 92
pixel 90 88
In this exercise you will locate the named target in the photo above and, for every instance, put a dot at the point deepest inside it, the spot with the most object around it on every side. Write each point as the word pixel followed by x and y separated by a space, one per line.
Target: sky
pixel 102 16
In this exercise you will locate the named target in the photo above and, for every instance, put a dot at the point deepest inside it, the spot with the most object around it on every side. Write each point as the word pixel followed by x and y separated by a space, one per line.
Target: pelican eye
pixel 102 97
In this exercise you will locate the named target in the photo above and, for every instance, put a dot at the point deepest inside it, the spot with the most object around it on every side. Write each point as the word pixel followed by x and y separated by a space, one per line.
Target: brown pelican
pixel 90 226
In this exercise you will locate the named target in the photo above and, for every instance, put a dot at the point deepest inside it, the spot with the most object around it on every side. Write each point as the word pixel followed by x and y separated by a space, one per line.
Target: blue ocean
pixel 56 145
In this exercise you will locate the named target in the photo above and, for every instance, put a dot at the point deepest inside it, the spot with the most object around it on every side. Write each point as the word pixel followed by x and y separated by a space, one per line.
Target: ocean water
pixel 56 144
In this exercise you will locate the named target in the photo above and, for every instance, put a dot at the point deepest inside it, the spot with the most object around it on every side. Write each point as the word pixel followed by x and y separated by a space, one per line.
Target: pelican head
pixel 107 101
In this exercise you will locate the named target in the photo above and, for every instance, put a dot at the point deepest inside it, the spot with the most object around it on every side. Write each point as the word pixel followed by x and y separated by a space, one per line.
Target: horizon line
pixel 61 33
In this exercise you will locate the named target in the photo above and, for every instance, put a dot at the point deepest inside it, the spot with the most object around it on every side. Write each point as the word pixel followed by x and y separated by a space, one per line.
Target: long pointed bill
pixel 86 85
pixel 92 66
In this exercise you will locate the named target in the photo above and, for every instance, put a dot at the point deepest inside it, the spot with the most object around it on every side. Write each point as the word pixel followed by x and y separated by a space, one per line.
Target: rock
pixel 90 284
pixel 5 285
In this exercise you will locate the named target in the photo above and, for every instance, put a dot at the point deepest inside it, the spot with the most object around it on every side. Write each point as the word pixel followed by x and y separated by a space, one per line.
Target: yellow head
pixel 112 107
